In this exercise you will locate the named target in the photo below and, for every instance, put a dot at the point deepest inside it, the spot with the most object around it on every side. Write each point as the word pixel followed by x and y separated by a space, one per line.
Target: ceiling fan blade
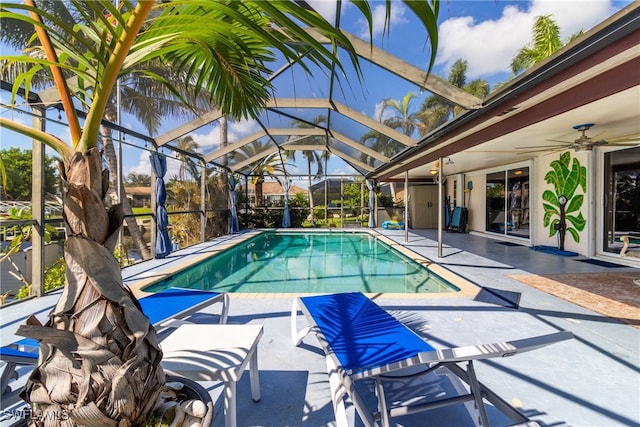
pixel 625 138
pixel 559 140
pixel 543 146
pixel 624 144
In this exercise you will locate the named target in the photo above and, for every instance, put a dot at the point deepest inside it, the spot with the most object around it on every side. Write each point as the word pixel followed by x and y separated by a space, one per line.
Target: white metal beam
pixel 304 147
pixel 407 71
pixel 234 146
pixel 360 147
pixel 252 159
pixel 349 159
pixel 374 124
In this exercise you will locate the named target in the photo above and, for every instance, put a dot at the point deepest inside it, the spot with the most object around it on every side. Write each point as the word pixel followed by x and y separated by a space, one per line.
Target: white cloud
pixel 388 113
pixel 326 8
pixel 490 45
pixel 397 17
pixel 210 141
pixel 344 170
pixel 143 166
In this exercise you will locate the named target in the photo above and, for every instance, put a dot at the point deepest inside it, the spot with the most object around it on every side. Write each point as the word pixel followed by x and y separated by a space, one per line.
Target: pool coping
pixel 185 258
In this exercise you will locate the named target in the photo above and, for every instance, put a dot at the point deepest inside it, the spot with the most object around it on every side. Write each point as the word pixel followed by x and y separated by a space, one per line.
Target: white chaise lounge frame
pixel 162 316
pixel 342 381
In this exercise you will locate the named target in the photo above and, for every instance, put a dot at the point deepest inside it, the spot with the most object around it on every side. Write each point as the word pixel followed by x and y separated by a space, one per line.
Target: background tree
pixel 545 42
pixel 187 144
pixel 184 196
pixel 270 166
pixel 353 195
pixel 402 118
pixel 138 179
pixel 436 110
pixel 147 99
pixel 319 157
pixel 18 169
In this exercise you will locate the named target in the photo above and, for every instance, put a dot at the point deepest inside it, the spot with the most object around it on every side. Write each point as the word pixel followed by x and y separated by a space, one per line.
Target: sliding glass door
pixel 622 198
pixel 507 204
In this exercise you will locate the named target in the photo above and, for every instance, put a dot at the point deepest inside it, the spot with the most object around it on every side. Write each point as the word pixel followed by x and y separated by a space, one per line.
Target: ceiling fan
pixel 586 143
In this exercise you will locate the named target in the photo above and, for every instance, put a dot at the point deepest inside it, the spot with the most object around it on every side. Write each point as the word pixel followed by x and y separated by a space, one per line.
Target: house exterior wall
pixel 583 200
pixel 475 201
pixel 545 166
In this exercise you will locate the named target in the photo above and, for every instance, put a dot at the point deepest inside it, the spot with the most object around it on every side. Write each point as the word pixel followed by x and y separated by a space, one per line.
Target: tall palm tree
pixel 187 144
pixel 271 166
pixel 381 143
pixel 436 110
pixel 402 118
pixel 100 358
pixel 546 41
pixel 148 100
pixel 312 156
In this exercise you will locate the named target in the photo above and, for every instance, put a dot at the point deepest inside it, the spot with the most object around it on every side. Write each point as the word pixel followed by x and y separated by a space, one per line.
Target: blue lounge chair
pixel 162 308
pixel 363 341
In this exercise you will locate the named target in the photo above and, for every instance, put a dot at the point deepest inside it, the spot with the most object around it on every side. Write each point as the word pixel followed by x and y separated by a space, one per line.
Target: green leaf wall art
pixel 562 206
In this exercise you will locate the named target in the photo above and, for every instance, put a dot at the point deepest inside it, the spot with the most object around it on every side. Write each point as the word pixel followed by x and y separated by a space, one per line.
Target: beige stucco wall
pixel 475 200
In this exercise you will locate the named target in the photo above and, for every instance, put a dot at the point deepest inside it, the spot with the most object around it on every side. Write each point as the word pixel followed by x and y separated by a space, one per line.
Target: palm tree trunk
pixel 132 224
pixel 313 222
pixel 259 192
pixel 99 356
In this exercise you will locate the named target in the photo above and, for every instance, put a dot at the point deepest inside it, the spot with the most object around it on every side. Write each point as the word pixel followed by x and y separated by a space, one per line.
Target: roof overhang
pixel 595 79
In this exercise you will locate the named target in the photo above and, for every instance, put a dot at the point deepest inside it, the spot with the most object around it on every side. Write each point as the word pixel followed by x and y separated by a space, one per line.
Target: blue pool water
pixel 290 262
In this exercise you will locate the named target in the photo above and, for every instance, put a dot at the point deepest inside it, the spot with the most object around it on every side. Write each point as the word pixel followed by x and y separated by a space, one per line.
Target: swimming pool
pixel 315 262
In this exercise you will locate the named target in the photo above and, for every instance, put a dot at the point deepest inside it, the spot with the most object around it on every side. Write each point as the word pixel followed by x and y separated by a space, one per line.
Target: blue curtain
pixel 286 216
pixel 163 241
pixel 234 226
pixel 371 185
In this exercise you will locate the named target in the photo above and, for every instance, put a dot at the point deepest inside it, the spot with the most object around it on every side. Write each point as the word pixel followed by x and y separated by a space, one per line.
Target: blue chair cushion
pixel 360 333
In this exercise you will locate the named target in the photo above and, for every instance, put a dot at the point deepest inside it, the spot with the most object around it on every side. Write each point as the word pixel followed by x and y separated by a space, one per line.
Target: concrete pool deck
pixel 592 380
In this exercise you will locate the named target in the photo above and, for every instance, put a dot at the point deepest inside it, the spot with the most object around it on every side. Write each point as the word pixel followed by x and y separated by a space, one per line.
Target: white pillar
pixel 440 207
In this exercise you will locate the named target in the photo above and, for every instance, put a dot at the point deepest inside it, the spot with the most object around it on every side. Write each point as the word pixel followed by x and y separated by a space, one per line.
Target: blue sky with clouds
pixel 487 34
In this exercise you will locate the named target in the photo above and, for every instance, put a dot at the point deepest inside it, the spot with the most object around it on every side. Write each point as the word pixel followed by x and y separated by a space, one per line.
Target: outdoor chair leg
pixel 476 390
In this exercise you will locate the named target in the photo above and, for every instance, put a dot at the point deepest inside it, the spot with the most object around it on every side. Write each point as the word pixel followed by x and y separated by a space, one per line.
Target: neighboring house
pixel 271 192
pixel 140 196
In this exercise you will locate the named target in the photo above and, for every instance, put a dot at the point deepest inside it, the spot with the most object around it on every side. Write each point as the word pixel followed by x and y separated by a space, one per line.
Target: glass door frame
pixel 508 172
pixel 604 222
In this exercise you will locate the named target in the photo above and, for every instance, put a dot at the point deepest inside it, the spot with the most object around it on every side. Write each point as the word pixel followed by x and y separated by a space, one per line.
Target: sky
pixel 487 34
